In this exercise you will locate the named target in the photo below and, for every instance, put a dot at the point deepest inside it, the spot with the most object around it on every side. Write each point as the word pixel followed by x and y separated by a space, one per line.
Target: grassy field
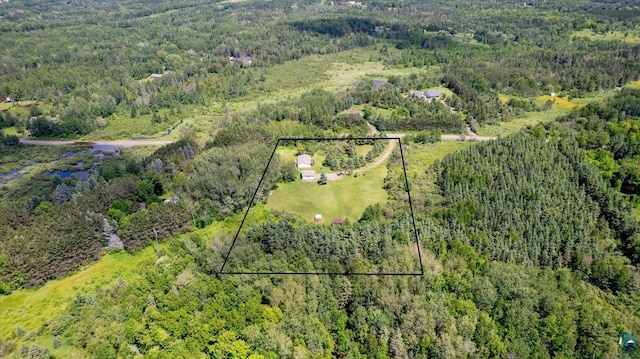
pixel 382 112
pixel 636 212
pixel 629 37
pixel 11 131
pixel 420 157
pixel 345 198
pixel 633 84
pixel 32 308
pixel 561 106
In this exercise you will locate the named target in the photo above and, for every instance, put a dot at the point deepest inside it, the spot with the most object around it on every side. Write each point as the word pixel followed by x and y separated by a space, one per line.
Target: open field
pixel 561 106
pixel 30 309
pixel 420 157
pixel 346 198
pixel 382 112
pixel 630 37
pixel 633 84
pixel 11 131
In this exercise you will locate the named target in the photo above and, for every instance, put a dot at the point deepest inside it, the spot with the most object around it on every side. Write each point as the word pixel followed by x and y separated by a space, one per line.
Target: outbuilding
pixel 308 175
pixel 304 161
pixel 432 93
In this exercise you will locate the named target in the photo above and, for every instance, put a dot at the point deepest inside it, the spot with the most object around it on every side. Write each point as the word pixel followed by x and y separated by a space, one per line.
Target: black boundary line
pixel 255 193
pixel 413 217
pixel 406 179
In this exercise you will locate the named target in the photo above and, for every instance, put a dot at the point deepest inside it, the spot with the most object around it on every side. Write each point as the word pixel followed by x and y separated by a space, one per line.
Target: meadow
pixel 629 37
pixel 560 107
pixel 30 309
pixel 346 198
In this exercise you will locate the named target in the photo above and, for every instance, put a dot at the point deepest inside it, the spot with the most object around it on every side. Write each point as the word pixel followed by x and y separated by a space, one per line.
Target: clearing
pixel 30 309
pixel 345 199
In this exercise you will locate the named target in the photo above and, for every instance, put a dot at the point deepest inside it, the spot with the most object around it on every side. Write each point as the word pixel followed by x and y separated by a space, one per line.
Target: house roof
pixel 378 83
pixel 418 94
pixel 431 93
pixel 309 173
pixel 156 76
pixel 304 160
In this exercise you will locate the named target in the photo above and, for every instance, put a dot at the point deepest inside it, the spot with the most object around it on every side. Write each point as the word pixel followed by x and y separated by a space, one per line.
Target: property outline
pixel 255 193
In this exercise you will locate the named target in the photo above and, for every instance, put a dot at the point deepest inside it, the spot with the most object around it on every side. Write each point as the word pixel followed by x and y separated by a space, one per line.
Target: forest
pixel 520 180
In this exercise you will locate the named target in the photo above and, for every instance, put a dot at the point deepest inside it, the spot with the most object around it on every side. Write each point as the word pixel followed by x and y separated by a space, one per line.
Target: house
pixel 156 76
pixel 9 99
pixel 318 218
pixel 304 161
pixel 418 95
pixel 432 93
pixel 337 221
pixel 309 175
pixel 244 60
pixel 352 112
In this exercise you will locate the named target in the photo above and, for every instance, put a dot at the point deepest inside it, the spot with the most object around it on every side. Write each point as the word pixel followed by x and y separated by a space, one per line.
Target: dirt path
pixel 373 128
pixel 380 160
pixel 120 143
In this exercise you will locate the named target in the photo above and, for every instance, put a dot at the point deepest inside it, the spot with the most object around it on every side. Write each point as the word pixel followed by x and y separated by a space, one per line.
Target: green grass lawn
pixel 288 154
pixel 345 198
pixel 636 212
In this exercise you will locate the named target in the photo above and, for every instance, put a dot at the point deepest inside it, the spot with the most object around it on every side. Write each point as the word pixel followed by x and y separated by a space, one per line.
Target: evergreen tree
pixel 330 161
pixel 323 179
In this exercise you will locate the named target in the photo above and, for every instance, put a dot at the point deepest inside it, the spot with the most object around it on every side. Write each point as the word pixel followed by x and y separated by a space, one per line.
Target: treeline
pixel 225 179
pixel 609 131
pixel 545 207
pixel 319 108
pixel 465 305
pixel 337 27
pixel 50 230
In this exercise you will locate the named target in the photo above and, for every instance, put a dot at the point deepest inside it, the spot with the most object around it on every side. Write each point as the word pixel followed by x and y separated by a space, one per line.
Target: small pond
pixel 83 175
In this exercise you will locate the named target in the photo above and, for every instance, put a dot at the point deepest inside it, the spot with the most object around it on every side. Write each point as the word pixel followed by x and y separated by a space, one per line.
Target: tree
pixel 323 179
pixel 330 161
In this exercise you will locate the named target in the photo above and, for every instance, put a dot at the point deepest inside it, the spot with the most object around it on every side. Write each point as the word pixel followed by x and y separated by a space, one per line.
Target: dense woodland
pixel 528 243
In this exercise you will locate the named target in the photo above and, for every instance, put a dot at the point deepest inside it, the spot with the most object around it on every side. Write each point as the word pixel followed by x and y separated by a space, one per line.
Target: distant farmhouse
pixel 156 76
pixel 244 60
pixel 304 161
pixel 432 93
pixel 418 95
pixel 309 175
